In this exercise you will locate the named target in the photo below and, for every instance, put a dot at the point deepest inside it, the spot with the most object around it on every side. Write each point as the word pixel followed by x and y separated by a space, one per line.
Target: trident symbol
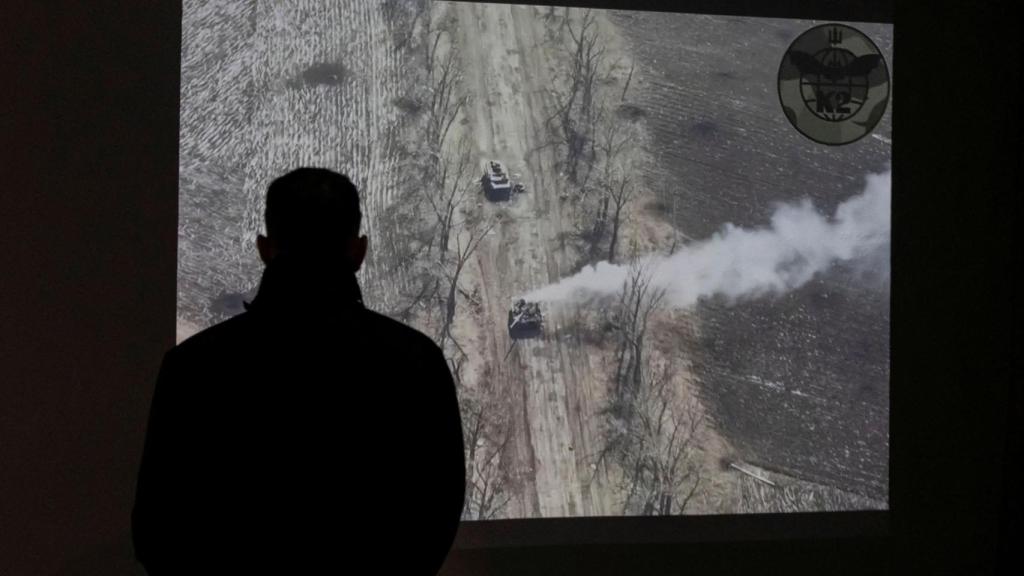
pixel 835 36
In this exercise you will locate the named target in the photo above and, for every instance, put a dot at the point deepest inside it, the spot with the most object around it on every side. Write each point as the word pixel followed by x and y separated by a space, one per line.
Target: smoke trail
pixel 740 263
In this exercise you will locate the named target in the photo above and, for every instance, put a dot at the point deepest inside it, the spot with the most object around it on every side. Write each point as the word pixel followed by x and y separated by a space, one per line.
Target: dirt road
pixel 550 385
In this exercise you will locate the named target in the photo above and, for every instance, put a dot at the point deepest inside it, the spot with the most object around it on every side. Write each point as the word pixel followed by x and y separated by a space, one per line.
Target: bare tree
pixel 652 433
pixel 426 220
pixel 629 79
pixel 660 438
pixel 431 46
pixel 589 219
pixel 600 209
pixel 449 171
pixel 455 179
pixel 613 138
pixel 637 302
pixel 620 194
pixel 466 242
pixel 487 433
pixel 445 101
pixel 576 113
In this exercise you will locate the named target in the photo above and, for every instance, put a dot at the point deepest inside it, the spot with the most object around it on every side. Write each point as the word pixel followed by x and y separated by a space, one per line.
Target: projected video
pixel 661 289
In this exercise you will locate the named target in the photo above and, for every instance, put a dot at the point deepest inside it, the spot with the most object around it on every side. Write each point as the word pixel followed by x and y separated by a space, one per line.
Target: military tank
pixel 525 319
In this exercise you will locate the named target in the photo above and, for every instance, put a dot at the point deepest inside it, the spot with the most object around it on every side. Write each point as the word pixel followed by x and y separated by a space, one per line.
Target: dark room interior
pixel 89 120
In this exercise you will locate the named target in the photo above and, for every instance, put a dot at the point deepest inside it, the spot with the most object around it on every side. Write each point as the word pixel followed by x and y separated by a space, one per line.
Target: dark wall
pixel 88 195
pixel 88 122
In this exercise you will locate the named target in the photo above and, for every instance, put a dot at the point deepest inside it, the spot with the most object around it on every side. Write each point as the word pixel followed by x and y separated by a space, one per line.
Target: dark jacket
pixel 307 432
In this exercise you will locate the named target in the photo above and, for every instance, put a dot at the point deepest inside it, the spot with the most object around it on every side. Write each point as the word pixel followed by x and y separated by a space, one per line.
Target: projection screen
pixel 657 295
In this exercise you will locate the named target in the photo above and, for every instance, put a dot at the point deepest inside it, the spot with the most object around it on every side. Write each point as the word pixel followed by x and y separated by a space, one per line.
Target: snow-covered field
pixel 267 87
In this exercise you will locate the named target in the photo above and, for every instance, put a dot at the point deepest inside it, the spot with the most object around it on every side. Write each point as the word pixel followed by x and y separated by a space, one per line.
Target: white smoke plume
pixel 741 264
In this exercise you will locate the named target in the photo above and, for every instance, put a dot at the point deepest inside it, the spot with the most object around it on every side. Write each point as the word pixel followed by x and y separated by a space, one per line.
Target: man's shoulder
pixel 373 329
pixel 379 325
pixel 371 324
pixel 216 336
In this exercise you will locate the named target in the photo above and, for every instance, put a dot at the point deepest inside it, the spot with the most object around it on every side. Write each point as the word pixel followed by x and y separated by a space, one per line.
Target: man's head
pixel 313 213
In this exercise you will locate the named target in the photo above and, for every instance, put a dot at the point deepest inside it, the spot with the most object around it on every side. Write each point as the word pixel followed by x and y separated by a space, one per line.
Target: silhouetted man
pixel 307 432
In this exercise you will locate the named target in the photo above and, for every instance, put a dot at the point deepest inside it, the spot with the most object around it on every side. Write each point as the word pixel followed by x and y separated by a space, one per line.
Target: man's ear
pixel 357 252
pixel 266 248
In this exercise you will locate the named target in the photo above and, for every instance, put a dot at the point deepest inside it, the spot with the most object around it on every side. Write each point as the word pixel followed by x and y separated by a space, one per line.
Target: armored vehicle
pixel 496 183
pixel 525 319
